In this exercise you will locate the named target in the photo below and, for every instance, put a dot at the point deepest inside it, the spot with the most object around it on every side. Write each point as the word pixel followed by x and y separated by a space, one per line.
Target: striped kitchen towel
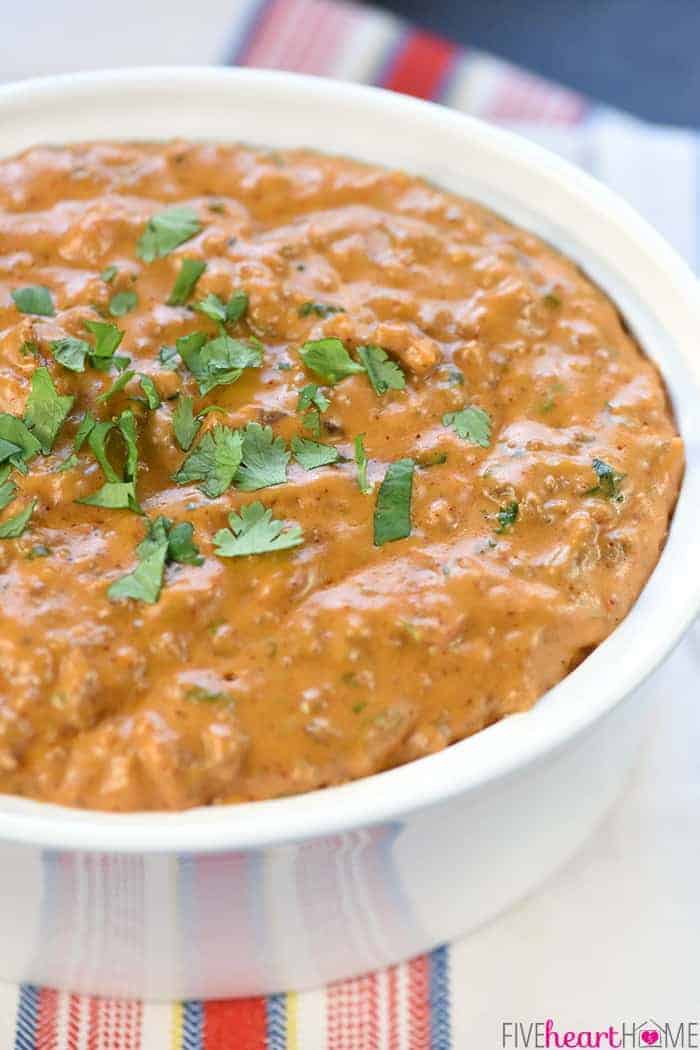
pixel 454 997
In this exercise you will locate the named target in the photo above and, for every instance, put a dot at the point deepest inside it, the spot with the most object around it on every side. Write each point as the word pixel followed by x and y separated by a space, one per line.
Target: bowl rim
pixel 503 749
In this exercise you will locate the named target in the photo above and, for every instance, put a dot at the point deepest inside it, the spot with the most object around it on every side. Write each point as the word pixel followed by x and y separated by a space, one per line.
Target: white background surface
pixel 615 935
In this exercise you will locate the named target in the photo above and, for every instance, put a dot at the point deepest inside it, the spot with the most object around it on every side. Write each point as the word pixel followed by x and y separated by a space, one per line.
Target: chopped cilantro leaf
pixel 330 359
pixel 46 410
pixel 145 582
pixel 311 454
pixel 81 435
pixel 312 402
pixel 168 357
pixel 118 492
pixel 27 347
pixel 107 339
pixel 8 491
pixel 320 309
pixel 127 427
pixel 507 516
pixel 18 433
pixel 97 439
pixel 114 495
pixel 312 395
pixel 237 306
pixel 311 421
pixel 150 392
pixel 214 461
pixel 362 463
pixel 212 307
pixel 190 272
pixel 609 482
pixel 471 424
pixel 164 543
pixel 117 386
pixel 34 299
pixel 71 353
pixel 123 303
pixel 225 313
pixel 185 425
pixel 255 531
pixel 166 231
pixel 8 450
pixel 264 459
pixel 217 362
pixel 392 513
pixel 108 274
pixel 15 526
pixel 384 374
pixel 181 546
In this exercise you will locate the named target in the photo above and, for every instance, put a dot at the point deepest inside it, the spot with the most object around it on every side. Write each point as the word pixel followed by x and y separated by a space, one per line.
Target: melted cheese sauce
pixel 278 673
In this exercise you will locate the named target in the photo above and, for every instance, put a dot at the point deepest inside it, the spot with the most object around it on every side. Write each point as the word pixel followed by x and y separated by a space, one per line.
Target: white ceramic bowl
pixel 290 893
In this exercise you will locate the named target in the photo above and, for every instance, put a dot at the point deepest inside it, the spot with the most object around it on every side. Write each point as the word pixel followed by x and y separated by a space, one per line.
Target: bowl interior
pixel 653 288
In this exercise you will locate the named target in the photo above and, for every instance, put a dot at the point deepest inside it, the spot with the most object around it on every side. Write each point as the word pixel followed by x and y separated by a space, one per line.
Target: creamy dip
pixel 309 469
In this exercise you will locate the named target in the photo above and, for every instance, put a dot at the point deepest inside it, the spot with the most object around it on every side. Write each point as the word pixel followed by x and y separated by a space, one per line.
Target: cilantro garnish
pixel 384 374
pixel 107 339
pixel 471 424
pixel 150 392
pixel 123 303
pixel 15 432
pixel 108 274
pixel 609 481
pixel 330 359
pixel 83 432
pixel 255 531
pixel 15 526
pixel 320 309
pixel 168 357
pixel 507 516
pixel 181 545
pixel 166 231
pixel 251 458
pixel 8 491
pixel 214 461
pixel 312 402
pixel 392 513
pixel 46 410
pixel 312 454
pixel 34 299
pixel 163 543
pixel 362 463
pixel 217 362
pixel 185 424
pixel 71 353
pixel 117 385
pixel 114 495
pixel 118 493
pixel 225 313
pixel 190 272
pixel 8 450
pixel 264 461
